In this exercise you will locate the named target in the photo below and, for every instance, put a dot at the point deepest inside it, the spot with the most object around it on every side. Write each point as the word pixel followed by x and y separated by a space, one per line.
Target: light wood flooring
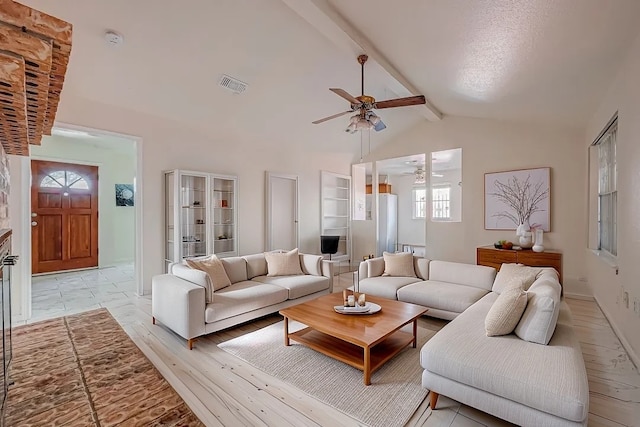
pixel 225 391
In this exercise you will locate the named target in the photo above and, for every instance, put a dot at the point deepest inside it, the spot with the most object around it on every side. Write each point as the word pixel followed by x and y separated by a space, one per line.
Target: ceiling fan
pixel 364 104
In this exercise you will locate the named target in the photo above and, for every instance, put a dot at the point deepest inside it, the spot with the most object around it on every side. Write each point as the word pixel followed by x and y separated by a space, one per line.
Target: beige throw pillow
pixel 505 313
pixel 216 272
pixel 517 275
pixel 399 265
pixel 538 322
pixel 283 263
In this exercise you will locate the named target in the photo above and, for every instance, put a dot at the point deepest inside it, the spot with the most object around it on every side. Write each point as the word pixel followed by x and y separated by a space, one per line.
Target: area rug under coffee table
pixel 84 370
pixel 392 398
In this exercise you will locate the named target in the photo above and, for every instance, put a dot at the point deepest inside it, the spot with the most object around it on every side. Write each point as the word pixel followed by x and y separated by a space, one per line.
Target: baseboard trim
pixel 632 355
pixel 579 296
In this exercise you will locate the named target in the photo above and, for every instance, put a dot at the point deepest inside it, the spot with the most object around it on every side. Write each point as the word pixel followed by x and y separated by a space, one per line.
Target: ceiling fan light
pixel 351 128
pixel 374 119
pixel 363 124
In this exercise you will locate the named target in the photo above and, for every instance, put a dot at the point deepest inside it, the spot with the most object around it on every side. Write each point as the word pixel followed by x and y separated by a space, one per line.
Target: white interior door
pixel 282 212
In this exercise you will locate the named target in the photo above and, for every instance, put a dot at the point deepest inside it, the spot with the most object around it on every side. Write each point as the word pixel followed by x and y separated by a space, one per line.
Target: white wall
pixel 116 233
pixel 21 242
pixel 624 97
pixel 491 146
pixel 410 231
pixel 170 145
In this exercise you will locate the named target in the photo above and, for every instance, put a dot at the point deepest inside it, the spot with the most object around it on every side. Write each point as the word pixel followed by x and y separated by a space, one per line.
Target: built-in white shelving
pixel 335 193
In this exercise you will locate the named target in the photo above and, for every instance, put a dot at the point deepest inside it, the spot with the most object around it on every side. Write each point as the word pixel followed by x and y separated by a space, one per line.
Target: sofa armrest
pixel 421 266
pixel 375 267
pixel 363 270
pixel 178 304
pixel 328 270
pixel 192 275
pixel 311 264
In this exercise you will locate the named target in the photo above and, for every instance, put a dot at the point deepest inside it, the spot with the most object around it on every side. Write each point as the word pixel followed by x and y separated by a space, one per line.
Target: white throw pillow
pixel 216 272
pixel 511 275
pixel 538 321
pixel 283 263
pixel 505 313
pixel 399 265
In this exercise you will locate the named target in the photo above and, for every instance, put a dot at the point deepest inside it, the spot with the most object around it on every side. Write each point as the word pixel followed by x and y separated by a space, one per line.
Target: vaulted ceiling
pixel 529 60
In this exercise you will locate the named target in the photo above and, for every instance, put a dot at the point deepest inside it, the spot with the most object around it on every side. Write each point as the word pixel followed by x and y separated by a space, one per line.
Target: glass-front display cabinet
pixel 200 215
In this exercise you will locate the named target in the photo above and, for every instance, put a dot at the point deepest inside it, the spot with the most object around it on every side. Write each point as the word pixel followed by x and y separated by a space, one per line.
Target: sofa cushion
pixel 478 276
pixel 554 375
pixel 385 287
pixel 518 275
pixel 243 297
pixel 311 264
pixel 506 312
pixel 441 295
pixel 539 319
pixel 236 268
pixel 297 286
pixel 398 265
pixel 256 265
pixel 283 263
pixel 215 271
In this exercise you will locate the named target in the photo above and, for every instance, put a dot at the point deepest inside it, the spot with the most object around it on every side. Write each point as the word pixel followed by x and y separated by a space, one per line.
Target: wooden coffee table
pixel 364 341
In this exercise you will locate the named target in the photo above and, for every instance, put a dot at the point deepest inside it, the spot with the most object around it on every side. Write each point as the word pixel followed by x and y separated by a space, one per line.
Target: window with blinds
pixel 607 189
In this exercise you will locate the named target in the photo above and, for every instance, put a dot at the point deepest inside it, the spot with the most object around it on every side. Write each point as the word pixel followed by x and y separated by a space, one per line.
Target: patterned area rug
pixel 84 370
pixel 393 396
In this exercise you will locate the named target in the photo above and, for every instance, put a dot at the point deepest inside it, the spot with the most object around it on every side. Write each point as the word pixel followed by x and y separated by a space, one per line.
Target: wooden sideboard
pixel 492 257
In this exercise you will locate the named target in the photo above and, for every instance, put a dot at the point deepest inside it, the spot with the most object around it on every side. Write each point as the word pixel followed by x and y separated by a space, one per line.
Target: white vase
pixel 522 228
pixel 526 240
pixel 538 247
pixel 525 237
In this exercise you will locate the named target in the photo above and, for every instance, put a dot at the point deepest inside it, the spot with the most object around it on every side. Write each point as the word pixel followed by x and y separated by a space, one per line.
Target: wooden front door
pixel 64 215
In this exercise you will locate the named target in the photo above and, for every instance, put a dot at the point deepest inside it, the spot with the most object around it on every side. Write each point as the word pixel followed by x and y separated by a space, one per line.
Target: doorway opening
pixel 85 246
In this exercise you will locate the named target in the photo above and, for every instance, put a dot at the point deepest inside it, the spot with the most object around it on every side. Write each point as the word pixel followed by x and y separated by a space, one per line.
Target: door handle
pixel 34 214
pixel 34 223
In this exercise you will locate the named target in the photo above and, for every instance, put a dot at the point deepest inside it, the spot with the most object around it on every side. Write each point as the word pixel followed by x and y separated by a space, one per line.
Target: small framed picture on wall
pixel 124 194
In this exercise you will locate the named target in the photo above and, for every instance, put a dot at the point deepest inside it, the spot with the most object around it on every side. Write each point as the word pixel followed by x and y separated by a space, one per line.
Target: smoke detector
pixel 113 39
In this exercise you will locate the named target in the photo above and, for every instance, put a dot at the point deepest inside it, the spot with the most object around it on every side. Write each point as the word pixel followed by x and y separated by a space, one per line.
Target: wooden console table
pixel 492 257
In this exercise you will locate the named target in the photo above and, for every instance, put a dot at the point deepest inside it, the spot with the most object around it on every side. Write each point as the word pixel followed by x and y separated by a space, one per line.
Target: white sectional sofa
pixel 178 298
pixel 533 377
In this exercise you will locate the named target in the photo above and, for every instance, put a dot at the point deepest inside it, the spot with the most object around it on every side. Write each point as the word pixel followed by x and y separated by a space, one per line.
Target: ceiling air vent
pixel 234 85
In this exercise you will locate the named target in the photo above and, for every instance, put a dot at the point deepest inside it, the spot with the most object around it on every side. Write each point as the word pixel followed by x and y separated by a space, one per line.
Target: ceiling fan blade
pixel 343 93
pixel 331 117
pixel 400 102
pixel 379 126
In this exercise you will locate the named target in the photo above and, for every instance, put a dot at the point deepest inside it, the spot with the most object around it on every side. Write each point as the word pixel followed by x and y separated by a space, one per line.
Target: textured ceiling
pixel 529 60
pixel 542 61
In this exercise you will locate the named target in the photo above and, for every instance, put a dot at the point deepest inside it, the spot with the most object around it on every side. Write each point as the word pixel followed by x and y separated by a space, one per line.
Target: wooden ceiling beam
pixel 43 42
pixel 322 16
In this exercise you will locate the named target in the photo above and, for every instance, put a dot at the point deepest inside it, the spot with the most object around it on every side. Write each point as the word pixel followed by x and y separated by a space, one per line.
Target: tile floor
pixel 61 294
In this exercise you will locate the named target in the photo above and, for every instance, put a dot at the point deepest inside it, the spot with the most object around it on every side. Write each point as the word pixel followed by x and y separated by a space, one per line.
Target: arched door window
pixel 64 179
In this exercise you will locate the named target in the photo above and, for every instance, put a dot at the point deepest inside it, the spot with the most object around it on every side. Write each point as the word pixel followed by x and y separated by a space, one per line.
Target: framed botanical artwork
pixel 124 194
pixel 517 197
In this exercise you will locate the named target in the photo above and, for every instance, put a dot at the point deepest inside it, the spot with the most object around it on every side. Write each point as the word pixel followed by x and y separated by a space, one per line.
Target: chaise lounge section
pixel 534 376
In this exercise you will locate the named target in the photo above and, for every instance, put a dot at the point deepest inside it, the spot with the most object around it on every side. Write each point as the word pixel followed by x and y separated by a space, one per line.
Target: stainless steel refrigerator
pixel 387 222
